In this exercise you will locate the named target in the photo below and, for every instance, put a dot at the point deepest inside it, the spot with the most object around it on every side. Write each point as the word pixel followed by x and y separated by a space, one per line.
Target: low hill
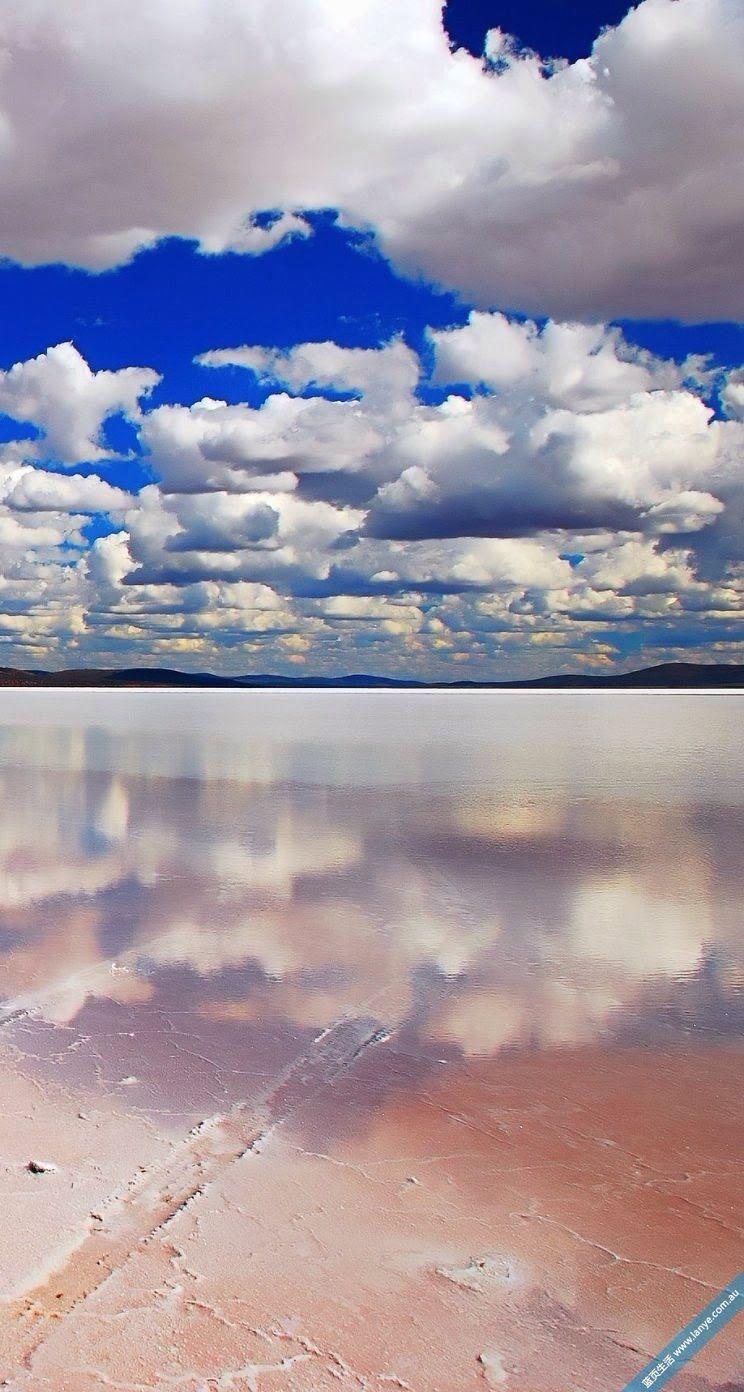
pixel 670 676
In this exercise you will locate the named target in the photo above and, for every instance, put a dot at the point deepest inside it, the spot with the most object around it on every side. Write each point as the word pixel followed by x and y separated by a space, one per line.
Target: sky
pixel 346 336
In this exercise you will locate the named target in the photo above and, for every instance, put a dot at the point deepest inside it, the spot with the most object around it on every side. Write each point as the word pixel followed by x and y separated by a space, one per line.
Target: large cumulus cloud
pixel 604 187
pixel 568 428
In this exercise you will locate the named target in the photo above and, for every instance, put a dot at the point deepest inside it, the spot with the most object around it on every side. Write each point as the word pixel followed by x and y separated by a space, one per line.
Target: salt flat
pixel 401 1051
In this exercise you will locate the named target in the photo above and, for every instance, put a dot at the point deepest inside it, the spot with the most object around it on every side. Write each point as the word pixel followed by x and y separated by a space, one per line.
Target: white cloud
pixel 578 431
pixel 37 490
pixel 383 376
pixel 213 445
pixel 732 395
pixel 254 238
pixel 38 532
pixel 594 188
pixel 226 536
pixel 58 392
pixel 582 367
pixel 571 427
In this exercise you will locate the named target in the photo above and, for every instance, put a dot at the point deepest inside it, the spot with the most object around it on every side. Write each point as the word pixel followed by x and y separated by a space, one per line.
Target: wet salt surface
pixel 367 999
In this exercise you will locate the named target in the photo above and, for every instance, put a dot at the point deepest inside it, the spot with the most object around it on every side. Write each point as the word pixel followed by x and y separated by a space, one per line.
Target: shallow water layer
pixel 318 1003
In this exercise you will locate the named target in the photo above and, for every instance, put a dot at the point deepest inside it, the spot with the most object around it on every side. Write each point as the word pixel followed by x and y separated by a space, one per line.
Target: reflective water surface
pixel 500 893
pixel 195 889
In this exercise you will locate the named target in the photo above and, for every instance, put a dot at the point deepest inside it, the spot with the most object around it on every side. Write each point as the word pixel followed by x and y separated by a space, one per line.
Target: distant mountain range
pixel 666 676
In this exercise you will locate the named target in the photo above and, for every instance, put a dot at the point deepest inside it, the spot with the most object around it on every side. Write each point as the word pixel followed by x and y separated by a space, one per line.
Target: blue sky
pixel 171 303
pixel 553 342
pixel 566 31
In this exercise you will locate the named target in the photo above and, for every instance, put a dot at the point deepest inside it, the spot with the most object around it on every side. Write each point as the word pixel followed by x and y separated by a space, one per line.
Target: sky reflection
pixel 184 933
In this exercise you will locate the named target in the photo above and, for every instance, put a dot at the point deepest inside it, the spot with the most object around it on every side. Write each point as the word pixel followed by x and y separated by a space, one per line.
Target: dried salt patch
pixel 494 1371
pixel 482 1273
pixel 41 1166
pixel 128 1082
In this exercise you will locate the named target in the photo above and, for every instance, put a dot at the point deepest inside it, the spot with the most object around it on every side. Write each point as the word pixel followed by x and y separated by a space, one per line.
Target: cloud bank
pixel 607 187
pixel 519 499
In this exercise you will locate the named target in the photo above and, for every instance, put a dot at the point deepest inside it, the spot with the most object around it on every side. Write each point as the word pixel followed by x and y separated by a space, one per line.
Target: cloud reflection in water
pixel 476 917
